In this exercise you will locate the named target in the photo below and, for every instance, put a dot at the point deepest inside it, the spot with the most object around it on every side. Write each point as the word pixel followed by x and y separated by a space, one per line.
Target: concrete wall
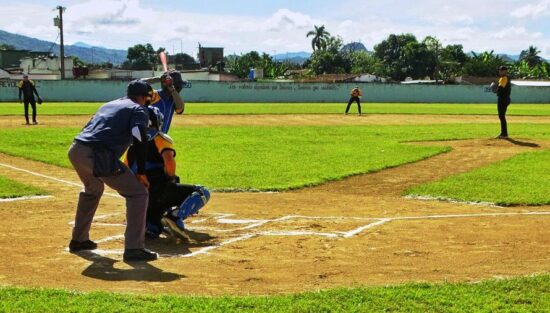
pixel 204 91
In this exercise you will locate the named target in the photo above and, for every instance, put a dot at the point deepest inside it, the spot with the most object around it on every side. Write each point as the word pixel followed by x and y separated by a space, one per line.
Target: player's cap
pixel 138 88
pixel 502 68
pixel 25 76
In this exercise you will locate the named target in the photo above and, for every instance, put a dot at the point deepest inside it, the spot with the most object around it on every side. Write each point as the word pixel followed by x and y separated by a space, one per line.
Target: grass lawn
pixel 523 179
pixel 88 108
pixel 12 189
pixel 265 158
pixel 528 294
pixel 279 158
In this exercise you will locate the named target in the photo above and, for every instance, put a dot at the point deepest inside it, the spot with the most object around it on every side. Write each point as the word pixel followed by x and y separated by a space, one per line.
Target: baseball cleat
pixel 75 246
pixel 174 229
pixel 139 255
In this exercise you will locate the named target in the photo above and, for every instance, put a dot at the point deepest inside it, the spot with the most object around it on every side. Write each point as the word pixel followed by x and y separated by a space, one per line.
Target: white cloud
pixel 533 11
pixel 477 25
pixel 515 33
pixel 285 20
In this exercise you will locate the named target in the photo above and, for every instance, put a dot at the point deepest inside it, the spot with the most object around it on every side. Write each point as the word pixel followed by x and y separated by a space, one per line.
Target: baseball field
pixel 410 207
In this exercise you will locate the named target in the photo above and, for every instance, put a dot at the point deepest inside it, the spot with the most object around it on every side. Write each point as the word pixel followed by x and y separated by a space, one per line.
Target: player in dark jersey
pixel 504 91
pixel 27 89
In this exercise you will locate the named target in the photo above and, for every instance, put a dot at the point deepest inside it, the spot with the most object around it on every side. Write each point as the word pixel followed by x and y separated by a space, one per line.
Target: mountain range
pixel 85 52
pixel 292 57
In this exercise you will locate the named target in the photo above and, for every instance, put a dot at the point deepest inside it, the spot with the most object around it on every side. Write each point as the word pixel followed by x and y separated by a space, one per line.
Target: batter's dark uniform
pixel 503 93
pixel 28 90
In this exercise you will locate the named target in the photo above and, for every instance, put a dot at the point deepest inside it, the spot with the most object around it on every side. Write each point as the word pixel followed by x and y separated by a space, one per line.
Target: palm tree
pixel 320 36
pixel 531 56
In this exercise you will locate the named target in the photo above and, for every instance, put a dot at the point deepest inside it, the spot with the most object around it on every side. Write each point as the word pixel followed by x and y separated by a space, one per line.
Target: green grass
pixel 279 158
pixel 528 294
pixel 13 189
pixel 265 158
pixel 521 180
pixel 88 108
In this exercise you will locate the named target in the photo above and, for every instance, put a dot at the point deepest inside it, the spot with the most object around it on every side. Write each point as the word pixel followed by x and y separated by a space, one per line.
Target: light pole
pixel 59 23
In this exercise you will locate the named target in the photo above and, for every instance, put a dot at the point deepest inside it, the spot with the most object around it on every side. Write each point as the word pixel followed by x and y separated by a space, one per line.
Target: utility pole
pixel 59 23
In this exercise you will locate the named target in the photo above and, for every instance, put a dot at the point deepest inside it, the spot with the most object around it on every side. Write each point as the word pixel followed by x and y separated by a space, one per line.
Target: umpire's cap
pixel 138 88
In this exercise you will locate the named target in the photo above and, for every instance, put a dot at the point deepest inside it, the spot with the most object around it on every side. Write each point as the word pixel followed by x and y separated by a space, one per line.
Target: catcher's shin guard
pixel 191 205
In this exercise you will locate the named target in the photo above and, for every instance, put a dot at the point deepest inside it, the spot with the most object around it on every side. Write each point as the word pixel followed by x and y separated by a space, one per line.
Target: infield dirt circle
pixel 355 232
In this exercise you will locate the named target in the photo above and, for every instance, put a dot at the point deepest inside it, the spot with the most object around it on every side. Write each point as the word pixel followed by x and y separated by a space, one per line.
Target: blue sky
pixel 508 26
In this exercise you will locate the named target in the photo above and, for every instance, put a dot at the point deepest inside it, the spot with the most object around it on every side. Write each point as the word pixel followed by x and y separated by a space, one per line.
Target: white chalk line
pixel 333 235
pixel 219 245
pixel 101 217
pixel 66 182
pixel 24 198
pixel 110 238
pixel 362 228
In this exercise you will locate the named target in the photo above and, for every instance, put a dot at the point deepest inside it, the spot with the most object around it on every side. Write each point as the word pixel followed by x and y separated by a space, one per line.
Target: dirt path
pixel 358 231
pixel 291 120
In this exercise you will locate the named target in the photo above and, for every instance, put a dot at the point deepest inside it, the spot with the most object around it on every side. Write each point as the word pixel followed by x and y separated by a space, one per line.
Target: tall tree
pixel 403 56
pixel 363 62
pixel 142 57
pixel 451 62
pixel 330 59
pixel 183 58
pixel 5 46
pixel 483 64
pixel 320 37
pixel 531 56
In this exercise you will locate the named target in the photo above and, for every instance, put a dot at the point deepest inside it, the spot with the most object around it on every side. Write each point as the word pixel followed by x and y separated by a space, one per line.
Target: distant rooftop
pixel 533 83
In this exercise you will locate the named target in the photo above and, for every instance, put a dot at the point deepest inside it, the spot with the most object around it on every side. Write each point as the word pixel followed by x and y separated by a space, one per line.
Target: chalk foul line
pixel 66 182
pixel 24 198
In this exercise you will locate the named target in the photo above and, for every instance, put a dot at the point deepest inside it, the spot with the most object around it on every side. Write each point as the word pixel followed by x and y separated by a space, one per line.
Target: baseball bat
pixel 178 101
pixel 164 61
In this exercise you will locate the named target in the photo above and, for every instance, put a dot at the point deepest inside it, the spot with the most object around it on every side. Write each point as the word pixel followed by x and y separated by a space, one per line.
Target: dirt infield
pixel 290 120
pixel 358 231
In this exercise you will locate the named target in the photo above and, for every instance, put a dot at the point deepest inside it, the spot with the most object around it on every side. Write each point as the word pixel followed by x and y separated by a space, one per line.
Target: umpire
pixel 504 91
pixel 28 90
pixel 95 155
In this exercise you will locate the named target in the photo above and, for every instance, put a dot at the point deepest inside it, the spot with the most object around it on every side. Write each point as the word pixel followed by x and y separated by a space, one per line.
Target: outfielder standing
pixel 355 96
pixel 95 155
pixel 28 90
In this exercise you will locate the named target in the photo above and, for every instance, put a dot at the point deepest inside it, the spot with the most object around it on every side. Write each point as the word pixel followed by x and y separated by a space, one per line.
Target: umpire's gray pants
pixel 125 184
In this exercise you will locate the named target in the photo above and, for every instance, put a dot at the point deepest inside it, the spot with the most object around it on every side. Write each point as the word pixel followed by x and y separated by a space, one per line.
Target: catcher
pixel 170 202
